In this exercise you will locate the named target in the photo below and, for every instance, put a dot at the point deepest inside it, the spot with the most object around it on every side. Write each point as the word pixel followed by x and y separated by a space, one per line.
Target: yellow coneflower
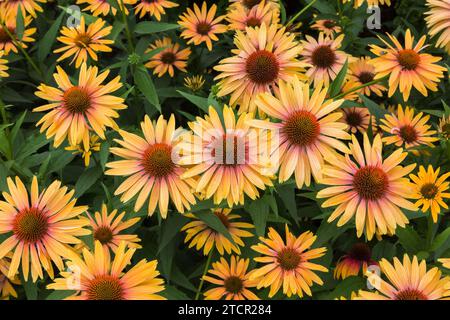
pixel 409 280
pixel 202 236
pixel 6 285
pixel 194 83
pixel 40 226
pixel 327 26
pixel 287 263
pixel 249 4
pixel 74 110
pixel 407 66
pixel 324 56
pixel 438 21
pixel 358 258
pixel 108 228
pixel 155 8
pixel 369 188
pixel 10 7
pixel 408 130
pixel 3 66
pixel 239 17
pixel 370 3
pixel 94 146
pixel 430 190
pixel 95 277
pixel 264 55
pixel 232 280
pixel 201 25
pixel 152 168
pixel 6 43
pixel 444 127
pixel 169 58
pixel 84 41
pixel 361 72
pixel 226 158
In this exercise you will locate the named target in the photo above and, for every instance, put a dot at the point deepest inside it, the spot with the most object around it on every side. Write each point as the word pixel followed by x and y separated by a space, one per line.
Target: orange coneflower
pixel 357 119
pixel 10 7
pixel 151 164
pixel 94 146
pixel 264 55
pixel 409 280
pixel 40 226
pixel 226 157
pixel 249 4
pixel 444 127
pixel 308 129
pixel 430 190
pixel 361 72
pixel 108 228
pixel 406 66
pixel 6 285
pixel 438 21
pixel 81 42
pixel 95 277
pixel 240 17
pixel 155 8
pixel 169 58
pixel 287 263
pixel 324 57
pixel 232 280
pixel 76 110
pixel 370 3
pixel 6 44
pixel 407 129
pixel 327 26
pixel 372 189
pixel 202 236
pixel 194 83
pixel 3 66
pixel 359 257
pixel 102 7
pixel 201 25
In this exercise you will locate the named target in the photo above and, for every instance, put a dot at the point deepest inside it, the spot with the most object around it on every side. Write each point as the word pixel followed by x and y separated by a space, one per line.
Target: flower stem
pixel 342 95
pixel 127 27
pixel 24 52
pixel 208 262
pixel 300 13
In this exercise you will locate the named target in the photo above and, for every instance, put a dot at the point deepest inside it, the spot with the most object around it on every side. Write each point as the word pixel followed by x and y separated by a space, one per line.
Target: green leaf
pixel 30 287
pixel 45 44
pixel 374 108
pixel 383 249
pixel 440 240
pixel 149 27
pixel 287 195
pixel 170 228
pixel 259 211
pixel 16 128
pixel 410 239
pixel 214 222
pixel 200 102
pixel 336 85
pixel 20 23
pixel 347 286
pixel 60 294
pixel 145 84
pixel 86 180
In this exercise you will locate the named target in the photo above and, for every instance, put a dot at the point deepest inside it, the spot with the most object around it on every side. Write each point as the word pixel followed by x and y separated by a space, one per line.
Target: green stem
pixel 300 13
pixel 24 52
pixel 208 262
pixel 127 27
pixel 342 95
pixel 432 228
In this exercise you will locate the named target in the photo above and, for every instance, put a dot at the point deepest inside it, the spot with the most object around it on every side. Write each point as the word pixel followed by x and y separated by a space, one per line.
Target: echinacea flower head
pixel 39 226
pixel 369 188
pixel 86 154
pixel 263 56
pixel 99 278
pixel 6 285
pixel 249 4
pixel 438 22
pixel 324 57
pixel 3 67
pixel 407 66
pixel 445 262
pixel 232 280
pixel 74 110
pixel 8 29
pixel 108 228
pixel 444 127
pixel 308 127
pixel 154 8
pixel 171 57
pixel 362 72
pixel 200 235
pixel 408 130
pixel 151 167
pixel 430 190
pixel 409 280
pixel 201 25
pixel 287 263
pixel 370 3
pixel 358 258
pixel 31 7
pixel 102 7
pixel 226 158
pixel 194 83
pixel 239 17
pixel 357 119
pixel 84 41
pixel 327 26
